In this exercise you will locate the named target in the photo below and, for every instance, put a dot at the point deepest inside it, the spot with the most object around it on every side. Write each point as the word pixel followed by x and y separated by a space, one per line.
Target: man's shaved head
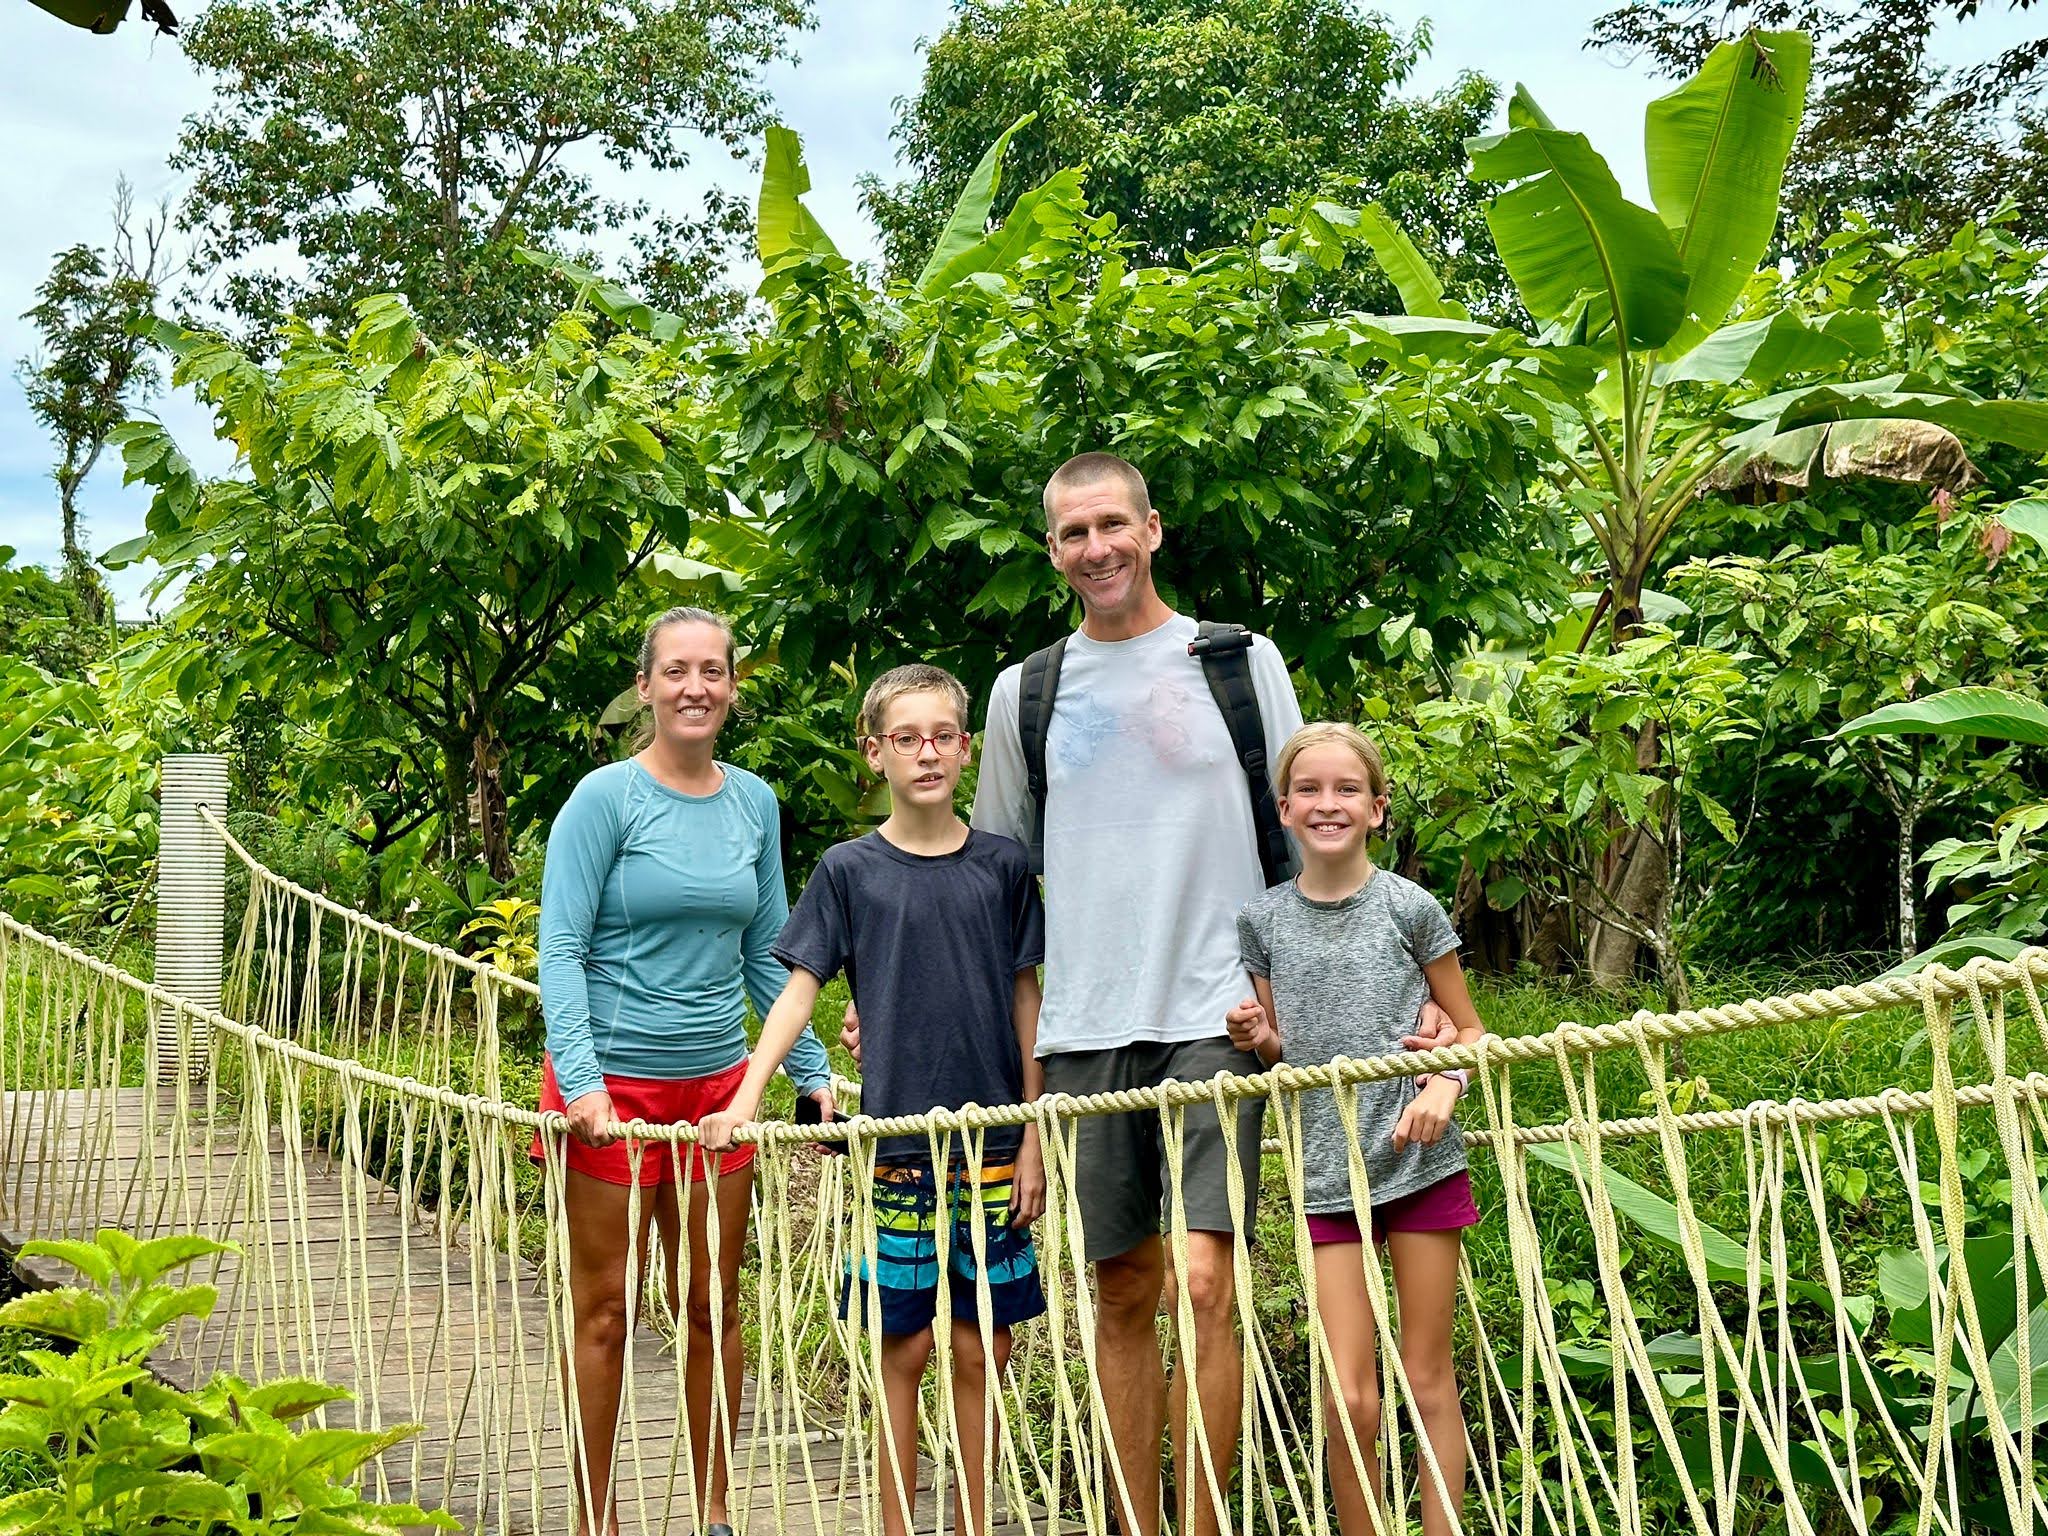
pixel 1086 469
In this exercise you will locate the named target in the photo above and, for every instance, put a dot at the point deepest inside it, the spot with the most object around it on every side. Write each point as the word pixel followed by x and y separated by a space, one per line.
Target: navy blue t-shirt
pixel 931 945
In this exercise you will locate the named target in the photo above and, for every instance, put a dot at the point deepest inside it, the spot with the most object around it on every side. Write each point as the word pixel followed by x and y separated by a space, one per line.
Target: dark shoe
pixel 720 1529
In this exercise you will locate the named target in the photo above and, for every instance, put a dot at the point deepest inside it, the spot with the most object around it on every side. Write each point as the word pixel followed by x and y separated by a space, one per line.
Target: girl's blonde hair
pixel 1319 733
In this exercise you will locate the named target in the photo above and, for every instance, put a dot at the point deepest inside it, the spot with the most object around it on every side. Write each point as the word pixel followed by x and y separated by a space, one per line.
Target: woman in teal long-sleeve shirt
pixel 661 896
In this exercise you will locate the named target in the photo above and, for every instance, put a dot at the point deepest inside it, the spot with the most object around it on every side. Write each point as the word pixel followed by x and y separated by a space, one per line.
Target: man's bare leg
pixel 1219 1384
pixel 1133 1377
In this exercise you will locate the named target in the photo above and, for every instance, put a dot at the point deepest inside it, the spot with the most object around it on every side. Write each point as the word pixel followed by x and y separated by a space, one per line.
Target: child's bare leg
pixel 970 1407
pixel 904 1356
pixel 1426 1284
pixel 1345 1310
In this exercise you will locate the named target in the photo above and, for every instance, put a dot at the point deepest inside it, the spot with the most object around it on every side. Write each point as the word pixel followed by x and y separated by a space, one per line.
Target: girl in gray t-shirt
pixel 1341 958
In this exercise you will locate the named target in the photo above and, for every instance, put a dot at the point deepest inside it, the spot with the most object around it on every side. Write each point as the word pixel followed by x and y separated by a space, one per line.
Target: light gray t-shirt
pixel 1149 847
pixel 1347 981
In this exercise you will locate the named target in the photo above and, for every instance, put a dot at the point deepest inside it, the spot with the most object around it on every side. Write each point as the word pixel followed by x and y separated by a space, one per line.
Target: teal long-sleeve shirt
pixel 657 910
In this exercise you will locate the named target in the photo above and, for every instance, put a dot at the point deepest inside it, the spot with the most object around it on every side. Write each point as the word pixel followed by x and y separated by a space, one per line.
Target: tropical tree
pixel 1919 150
pixel 1650 387
pixel 78 768
pixel 1192 118
pixel 420 534
pixel 893 443
pixel 94 366
pixel 394 146
pixel 1841 631
pixel 1533 771
pixel 2002 878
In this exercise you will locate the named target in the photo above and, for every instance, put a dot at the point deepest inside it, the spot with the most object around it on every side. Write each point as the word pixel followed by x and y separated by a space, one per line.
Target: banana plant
pixel 1652 392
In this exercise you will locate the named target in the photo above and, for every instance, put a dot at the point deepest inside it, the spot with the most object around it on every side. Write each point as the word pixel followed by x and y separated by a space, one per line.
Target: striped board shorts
pixel 906 1272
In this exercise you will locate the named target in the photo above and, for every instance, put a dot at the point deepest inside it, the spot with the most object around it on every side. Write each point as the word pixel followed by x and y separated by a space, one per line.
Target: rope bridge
pixel 353 1116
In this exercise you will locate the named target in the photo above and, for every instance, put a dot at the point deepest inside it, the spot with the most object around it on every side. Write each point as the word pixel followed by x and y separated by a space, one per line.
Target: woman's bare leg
pixel 712 1421
pixel 597 1216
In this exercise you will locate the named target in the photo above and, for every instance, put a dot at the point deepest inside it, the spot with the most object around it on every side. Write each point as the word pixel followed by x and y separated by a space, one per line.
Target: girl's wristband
pixel 1462 1076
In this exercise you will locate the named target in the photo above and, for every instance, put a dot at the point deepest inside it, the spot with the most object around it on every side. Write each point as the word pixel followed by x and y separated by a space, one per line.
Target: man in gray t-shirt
pixel 1347 980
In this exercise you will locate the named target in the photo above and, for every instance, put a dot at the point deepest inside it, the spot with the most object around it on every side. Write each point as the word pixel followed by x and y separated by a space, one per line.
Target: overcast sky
pixel 78 111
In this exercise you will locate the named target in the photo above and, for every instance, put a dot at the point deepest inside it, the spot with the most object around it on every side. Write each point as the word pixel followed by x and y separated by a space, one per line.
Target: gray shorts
pixel 1121 1178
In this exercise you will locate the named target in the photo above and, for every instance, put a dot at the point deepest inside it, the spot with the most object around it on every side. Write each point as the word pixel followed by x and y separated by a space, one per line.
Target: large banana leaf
pixel 1902 450
pixel 967 230
pixel 1057 197
pixel 1422 293
pixel 1564 229
pixel 1991 712
pixel 1656 1217
pixel 2028 518
pixel 93 15
pixel 1716 148
pixel 2021 423
pixel 1764 351
pixel 784 227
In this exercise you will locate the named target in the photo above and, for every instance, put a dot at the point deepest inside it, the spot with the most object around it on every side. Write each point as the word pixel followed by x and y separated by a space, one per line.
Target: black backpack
pixel 1224 651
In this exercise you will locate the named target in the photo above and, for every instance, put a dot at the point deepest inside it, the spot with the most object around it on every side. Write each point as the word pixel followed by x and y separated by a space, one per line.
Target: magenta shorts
pixel 1443 1206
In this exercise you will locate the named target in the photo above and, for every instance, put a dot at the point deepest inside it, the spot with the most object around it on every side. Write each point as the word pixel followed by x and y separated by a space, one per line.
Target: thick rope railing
pixel 394 1234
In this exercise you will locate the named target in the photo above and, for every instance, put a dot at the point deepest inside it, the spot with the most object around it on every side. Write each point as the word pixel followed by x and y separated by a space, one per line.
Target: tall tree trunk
pixel 1636 876
pixel 1908 813
pixel 487 802
pixel 1641 888
pixel 79 574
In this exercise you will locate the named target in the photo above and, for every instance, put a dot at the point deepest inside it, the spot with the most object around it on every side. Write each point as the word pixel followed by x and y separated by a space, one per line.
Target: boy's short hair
pixel 918 677
pixel 1322 733
pixel 1085 469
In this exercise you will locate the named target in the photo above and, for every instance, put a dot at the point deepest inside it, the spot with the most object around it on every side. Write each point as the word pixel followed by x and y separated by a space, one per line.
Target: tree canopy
pixel 395 146
pixel 1192 120
pixel 1922 150
pixel 93 366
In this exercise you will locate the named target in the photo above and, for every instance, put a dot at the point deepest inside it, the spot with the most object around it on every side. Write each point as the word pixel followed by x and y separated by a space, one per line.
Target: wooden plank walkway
pixel 427 1332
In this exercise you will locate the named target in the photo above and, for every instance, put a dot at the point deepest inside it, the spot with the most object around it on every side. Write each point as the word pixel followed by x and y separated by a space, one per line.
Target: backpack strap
pixel 1225 653
pixel 1035 691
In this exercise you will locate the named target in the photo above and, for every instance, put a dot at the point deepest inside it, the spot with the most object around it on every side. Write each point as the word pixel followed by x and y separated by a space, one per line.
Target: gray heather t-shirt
pixel 1347 981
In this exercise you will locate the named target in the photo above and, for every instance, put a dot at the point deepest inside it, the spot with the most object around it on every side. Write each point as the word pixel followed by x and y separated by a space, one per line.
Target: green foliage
pixel 120 1452
pixel 1989 712
pixel 1893 137
pixel 1872 627
pixel 47 622
pixel 1192 120
pixel 394 146
pixel 420 536
pixel 2003 876
pixel 893 446
pixel 507 934
pixel 78 769
pixel 1628 293
pixel 1536 773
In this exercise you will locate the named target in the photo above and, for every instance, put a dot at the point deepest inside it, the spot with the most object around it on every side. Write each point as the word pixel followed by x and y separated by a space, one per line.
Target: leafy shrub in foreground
pixel 125 1453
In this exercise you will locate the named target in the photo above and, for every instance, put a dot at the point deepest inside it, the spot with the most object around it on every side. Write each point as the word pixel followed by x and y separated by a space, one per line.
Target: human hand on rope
pixel 715 1130
pixel 1027 1184
pixel 849 1032
pixel 589 1114
pixel 1428 1114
